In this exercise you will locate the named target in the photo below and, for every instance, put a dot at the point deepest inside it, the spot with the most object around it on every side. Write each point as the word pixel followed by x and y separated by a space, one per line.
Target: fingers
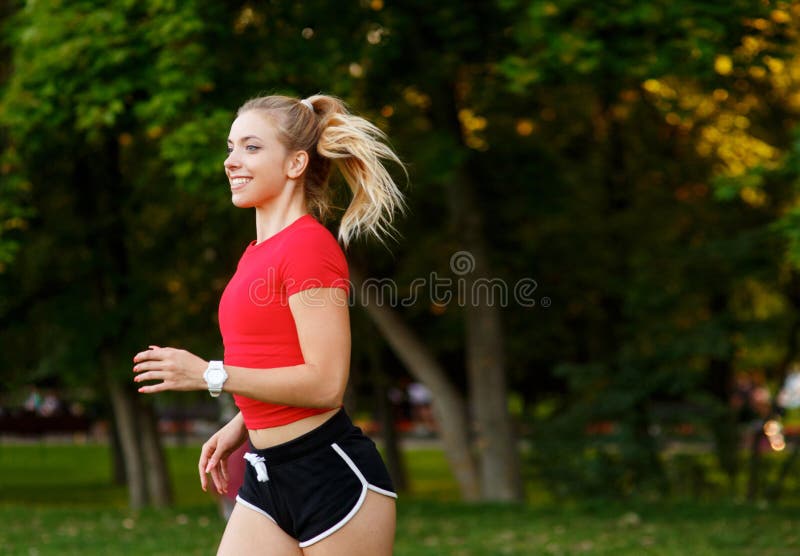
pixel 152 375
pixel 220 484
pixel 166 365
pixel 217 468
pixel 214 458
pixel 201 468
pixel 152 354
pixel 212 462
pixel 155 388
pixel 146 355
pixel 150 365
pixel 203 464
pixel 153 370
pixel 223 467
pixel 208 459
pixel 223 475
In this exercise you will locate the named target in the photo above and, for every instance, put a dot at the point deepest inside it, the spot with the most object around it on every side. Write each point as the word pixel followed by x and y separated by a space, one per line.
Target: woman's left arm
pixel 323 327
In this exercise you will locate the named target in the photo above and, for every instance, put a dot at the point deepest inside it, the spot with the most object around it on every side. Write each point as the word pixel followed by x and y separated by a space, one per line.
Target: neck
pixel 275 215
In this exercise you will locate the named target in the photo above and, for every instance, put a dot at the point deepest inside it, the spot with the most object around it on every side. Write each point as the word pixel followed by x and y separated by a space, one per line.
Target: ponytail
pixel 322 126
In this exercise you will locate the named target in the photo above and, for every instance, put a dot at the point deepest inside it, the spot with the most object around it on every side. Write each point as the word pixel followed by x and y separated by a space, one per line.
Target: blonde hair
pixel 322 126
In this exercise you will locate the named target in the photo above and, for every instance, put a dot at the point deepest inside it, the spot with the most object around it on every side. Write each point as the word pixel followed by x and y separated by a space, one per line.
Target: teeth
pixel 239 181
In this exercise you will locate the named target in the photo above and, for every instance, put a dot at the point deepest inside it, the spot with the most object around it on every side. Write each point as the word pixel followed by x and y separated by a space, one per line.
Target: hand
pixel 214 453
pixel 177 369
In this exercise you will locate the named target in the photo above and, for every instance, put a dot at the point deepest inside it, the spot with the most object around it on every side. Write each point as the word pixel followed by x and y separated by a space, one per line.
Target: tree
pixel 657 76
pixel 638 161
pixel 90 87
pixel 435 85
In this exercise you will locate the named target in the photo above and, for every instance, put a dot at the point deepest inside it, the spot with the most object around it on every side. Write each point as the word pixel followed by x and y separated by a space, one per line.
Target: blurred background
pixel 584 340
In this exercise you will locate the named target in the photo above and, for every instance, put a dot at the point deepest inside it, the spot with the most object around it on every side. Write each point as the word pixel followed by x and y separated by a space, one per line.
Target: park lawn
pixel 57 499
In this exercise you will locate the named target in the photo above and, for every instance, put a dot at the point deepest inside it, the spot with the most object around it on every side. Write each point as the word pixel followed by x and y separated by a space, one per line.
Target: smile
pixel 238 182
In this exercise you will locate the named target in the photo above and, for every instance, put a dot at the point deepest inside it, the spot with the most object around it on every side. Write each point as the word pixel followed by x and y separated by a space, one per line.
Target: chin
pixel 240 202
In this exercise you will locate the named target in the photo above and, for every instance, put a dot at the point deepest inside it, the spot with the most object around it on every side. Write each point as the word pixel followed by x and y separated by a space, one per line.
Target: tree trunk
pixel 147 477
pixel 448 404
pixel 754 471
pixel 159 488
pixel 719 381
pixel 495 439
pixel 486 369
pixel 144 462
pixel 127 429
pixel 118 473
pixel 485 351
pixel 724 427
pixel 385 410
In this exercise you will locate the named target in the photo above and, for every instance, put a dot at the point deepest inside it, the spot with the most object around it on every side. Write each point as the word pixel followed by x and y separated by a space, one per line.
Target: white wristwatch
pixel 215 376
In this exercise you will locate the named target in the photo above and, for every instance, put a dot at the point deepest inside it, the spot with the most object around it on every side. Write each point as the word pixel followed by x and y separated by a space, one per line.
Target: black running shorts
pixel 313 485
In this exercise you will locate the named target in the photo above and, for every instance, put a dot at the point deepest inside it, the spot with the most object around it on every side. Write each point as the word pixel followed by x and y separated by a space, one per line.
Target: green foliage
pixel 15 208
pixel 89 63
pixel 620 43
pixel 661 284
pixel 193 151
pixel 584 128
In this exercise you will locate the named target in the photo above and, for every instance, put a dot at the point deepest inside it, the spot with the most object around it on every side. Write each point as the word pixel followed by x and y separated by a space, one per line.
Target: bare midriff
pixel 267 438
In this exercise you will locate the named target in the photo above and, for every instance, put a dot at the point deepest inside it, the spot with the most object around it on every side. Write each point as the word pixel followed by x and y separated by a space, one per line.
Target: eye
pixel 230 149
pixel 252 148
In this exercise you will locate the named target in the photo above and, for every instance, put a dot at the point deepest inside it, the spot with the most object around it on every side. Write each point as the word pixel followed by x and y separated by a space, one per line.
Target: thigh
pixel 369 533
pixel 250 533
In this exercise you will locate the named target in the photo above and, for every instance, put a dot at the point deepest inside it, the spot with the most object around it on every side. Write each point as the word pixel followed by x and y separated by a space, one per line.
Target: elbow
pixel 329 398
pixel 330 393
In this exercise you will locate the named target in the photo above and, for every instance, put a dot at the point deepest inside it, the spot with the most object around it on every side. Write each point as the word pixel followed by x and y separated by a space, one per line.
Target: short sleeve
pixel 314 259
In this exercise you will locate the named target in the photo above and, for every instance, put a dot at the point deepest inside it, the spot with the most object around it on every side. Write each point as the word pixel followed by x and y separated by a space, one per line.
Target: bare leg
pixel 249 534
pixel 369 533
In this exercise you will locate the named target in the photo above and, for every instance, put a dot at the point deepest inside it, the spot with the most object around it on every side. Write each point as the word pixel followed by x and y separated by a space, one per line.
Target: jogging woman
pixel 314 484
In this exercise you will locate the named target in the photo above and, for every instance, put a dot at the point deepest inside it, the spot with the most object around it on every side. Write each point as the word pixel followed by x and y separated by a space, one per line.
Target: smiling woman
pixel 314 135
pixel 314 484
pixel 255 164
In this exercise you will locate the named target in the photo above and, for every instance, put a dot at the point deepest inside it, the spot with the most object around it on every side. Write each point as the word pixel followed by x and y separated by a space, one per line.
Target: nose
pixel 232 161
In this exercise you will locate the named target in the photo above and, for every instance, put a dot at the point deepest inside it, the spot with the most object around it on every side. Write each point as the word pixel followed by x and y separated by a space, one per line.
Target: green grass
pixel 58 500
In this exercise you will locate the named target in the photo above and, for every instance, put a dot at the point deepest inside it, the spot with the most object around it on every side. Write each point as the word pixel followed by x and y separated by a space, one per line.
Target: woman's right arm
pixel 214 453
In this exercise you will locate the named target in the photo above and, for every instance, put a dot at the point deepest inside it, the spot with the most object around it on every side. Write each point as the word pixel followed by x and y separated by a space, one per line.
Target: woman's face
pixel 257 162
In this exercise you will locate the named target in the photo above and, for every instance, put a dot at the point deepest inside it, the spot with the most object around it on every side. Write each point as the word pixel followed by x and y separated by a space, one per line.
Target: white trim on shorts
pixel 255 508
pixel 379 490
pixel 364 487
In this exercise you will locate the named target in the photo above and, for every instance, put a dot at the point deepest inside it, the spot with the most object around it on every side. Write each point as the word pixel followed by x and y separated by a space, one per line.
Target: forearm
pixel 236 421
pixel 235 428
pixel 303 385
pixel 323 329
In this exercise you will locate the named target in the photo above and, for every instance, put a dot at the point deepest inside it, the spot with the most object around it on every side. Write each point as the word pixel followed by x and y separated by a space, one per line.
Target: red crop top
pixel 258 330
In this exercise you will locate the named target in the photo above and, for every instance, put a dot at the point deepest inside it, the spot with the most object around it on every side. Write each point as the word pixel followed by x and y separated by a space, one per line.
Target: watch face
pixel 215 376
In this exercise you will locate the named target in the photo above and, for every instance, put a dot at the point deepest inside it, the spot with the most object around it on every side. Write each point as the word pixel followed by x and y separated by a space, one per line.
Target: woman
pixel 314 484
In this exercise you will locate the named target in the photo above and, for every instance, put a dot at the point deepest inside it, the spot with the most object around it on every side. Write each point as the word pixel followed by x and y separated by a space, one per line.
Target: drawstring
pixel 260 465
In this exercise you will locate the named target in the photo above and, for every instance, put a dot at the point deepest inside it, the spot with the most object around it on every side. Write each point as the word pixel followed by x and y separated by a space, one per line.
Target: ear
pixel 297 164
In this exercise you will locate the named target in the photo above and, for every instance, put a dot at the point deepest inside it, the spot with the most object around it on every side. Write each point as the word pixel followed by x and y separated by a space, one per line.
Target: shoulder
pixel 310 233
pixel 311 255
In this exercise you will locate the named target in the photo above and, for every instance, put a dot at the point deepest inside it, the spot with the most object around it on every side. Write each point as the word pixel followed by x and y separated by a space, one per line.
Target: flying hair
pixel 322 126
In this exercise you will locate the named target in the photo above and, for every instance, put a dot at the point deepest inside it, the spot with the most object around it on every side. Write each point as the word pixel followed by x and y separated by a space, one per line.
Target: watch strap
pixel 215 390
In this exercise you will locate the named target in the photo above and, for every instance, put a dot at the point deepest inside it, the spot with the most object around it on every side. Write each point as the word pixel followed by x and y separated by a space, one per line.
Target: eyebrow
pixel 246 138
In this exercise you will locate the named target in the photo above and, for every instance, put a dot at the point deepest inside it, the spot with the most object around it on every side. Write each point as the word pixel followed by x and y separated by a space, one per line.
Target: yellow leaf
pixel 525 127
pixel 780 16
pixel 723 65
